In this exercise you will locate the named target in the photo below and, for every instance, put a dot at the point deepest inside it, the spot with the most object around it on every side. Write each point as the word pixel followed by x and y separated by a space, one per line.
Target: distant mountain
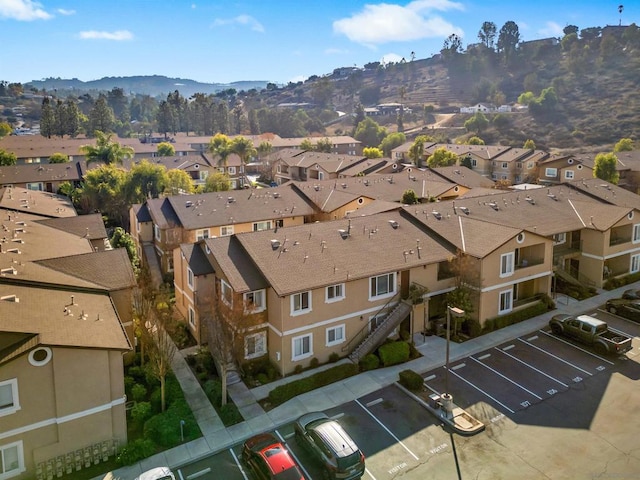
pixel 153 85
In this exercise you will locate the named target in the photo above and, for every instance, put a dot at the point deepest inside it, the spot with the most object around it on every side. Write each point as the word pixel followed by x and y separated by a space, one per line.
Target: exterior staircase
pixel 377 336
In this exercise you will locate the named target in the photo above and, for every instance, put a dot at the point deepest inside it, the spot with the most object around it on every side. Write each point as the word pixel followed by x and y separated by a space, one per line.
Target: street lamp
pixel 182 430
pixel 447 399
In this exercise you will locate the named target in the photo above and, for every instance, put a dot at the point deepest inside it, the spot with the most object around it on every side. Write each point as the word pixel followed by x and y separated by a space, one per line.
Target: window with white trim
pixel 259 226
pixel 254 301
pixel 190 278
pixel 192 317
pixel 474 162
pixel 636 233
pixel 232 170
pixel 507 264
pixel 377 320
pixel 203 175
pixel 226 293
pixel 226 230
pixel 382 286
pixel 35 186
pixel 505 165
pixel 568 174
pixel 334 293
pixel 156 232
pixel 9 401
pixel 635 264
pixel 551 172
pixel 505 302
pixel 320 175
pixel 302 347
pixel 11 460
pixel 559 238
pixel 202 234
pixel 300 303
pixel 255 345
pixel 335 335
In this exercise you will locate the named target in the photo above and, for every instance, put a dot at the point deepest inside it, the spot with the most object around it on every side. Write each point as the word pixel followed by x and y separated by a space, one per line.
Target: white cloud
pixel 242 20
pixel 391 58
pixel 63 11
pixel 551 29
pixel 24 10
pixel 118 35
pixel 383 23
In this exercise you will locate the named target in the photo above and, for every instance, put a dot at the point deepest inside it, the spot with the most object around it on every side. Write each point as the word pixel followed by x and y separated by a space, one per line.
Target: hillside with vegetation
pixel 581 92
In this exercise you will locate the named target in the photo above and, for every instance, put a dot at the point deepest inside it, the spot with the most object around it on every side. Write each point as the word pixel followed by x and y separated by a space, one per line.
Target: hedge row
pixel 614 283
pixel 411 380
pixel 393 353
pixel 287 391
pixel 502 321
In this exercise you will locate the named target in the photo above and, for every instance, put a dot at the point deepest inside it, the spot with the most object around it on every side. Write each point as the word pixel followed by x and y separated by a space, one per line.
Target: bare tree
pixel 465 269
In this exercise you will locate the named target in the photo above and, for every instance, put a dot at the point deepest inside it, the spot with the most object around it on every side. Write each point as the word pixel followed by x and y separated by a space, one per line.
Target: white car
pixel 158 473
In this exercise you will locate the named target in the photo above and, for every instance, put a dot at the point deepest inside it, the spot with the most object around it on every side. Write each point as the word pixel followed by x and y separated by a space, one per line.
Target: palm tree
pixel 220 146
pixel 106 151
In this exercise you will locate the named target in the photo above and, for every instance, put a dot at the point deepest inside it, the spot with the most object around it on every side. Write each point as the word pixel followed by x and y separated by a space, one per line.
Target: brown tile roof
pixel 238 268
pixel 315 255
pixel 36 172
pixel 196 258
pixel 41 311
pixel 161 212
pixel 462 176
pixel 606 192
pixel 40 203
pixel 89 226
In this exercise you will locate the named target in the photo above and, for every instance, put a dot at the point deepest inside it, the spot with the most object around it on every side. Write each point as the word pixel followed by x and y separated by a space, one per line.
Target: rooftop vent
pixel 8 271
pixel 393 224
pixel 366 182
pixel 275 244
pixel 552 196
pixel 344 185
pixel 316 187
pixel 437 215
pixel 10 298
pixel 494 205
pixel 530 200
pixel 188 203
pixel 464 210
pixel 276 194
pixel 343 233
pixel 230 200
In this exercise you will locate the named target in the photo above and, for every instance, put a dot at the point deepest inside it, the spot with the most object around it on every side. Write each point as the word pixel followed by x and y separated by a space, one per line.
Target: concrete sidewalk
pixel 216 437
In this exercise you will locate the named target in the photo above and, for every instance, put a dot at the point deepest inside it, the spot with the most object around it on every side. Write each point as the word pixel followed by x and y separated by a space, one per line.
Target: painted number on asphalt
pixel 526 403
pixel 600 368
pixel 552 391
pixel 577 379
pixel 397 468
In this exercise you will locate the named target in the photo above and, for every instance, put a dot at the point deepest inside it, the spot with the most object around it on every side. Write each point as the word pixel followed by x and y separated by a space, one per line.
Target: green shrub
pixel 405 335
pixel 137 373
pixel 262 378
pixel 135 451
pixel 230 415
pixel 285 392
pixel 334 357
pixel 472 327
pixel 138 392
pixel 369 362
pixel 172 392
pixel 213 390
pixel 393 353
pixel 502 321
pixel 298 369
pixel 141 412
pixel 411 380
pixel 314 363
pixel 191 360
pixel 164 428
pixel 614 283
pixel 129 382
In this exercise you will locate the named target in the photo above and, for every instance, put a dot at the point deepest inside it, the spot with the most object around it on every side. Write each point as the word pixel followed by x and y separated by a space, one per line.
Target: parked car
pixel 592 332
pixel 631 294
pixel 268 459
pixel 158 473
pixel 330 445
pixel 624 307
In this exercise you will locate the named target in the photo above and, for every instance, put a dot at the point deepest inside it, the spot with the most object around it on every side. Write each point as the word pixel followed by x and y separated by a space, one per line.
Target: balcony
pixel 620 235
pixel 528 262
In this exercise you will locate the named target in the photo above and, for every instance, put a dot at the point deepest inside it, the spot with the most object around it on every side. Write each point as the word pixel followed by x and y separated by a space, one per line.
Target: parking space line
pixel 233 454
pixel 370 474
pixel 483 392
pixel 507 378
pixel 620 332
pixel 374 402
pixel 555 356
pixel 508 347
pixel 577 347
pixel 180 474
pixel 294 456
pixel 430 377
pixel 531 339
pixel 532 367
pixel 199 474
pixel 388 431
pixel 337 416
pixel 432 389
pixel 460 365
pixel 486 355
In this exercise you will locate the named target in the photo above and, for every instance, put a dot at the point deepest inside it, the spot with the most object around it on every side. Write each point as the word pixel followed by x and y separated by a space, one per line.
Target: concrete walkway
pixel 216 437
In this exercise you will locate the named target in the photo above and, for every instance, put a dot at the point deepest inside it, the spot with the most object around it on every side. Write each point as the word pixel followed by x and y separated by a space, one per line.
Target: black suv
pixel 330 445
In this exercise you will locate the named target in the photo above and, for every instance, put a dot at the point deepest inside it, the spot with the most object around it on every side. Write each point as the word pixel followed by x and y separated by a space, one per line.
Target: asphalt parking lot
pixel 553 409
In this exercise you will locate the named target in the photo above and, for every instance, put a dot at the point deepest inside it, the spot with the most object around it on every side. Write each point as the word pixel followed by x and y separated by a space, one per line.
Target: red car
pixel 268 459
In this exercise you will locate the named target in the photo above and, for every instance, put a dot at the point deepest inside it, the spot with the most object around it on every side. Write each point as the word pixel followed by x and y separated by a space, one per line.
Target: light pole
pixel 447 399
pixel 182 430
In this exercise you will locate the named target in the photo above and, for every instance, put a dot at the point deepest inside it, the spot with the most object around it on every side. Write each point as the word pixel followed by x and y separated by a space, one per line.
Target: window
pixel 232 170
pixel 9 402
pixel 376 321
pixel 254 301
pixel 258 226
pixel 320 175
pixel 505 165
pixel 202 234
pixel 636 233
pixel 559 238
pixel 156 232
pixel 190 278
pixel 335 335
pixel 505 305
pixel 226 293
pixel 551 172
pixel 635 264
pixel 300 303
pixel 335 293
pixel 302 347
pixel 474 162
pixel 192 317
pixel 568 174
pixel 226 230
pixel 11 460
pixel 382 286
pixel 255 345
pixel 506 264
pixel 203 174
pixel 35 186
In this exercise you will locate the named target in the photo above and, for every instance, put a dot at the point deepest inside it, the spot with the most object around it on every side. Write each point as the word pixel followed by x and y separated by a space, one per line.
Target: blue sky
pixel 273 40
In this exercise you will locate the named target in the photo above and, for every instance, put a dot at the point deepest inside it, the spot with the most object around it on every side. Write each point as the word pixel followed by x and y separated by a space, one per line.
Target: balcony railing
pixel 529 262
pixel 619 240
